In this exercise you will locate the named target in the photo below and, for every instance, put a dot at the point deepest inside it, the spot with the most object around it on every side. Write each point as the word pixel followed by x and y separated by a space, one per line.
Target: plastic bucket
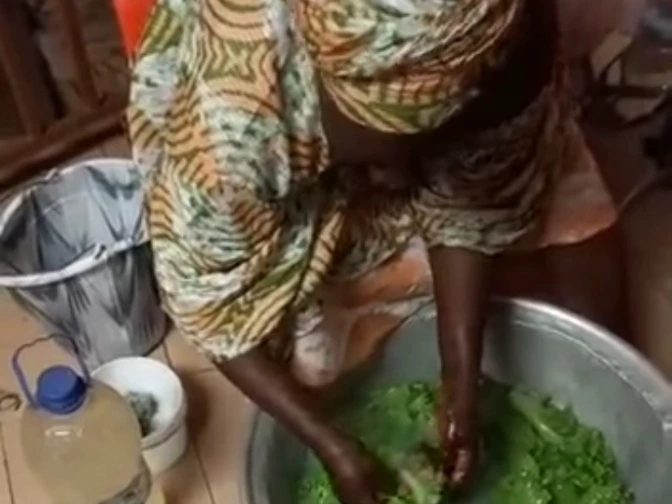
pixel 530 344
pixel 74 253
pixel 168 441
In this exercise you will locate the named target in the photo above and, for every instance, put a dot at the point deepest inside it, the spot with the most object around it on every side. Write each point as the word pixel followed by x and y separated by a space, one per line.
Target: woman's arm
pixel 274 390
pixel 461 286
pixel 355 474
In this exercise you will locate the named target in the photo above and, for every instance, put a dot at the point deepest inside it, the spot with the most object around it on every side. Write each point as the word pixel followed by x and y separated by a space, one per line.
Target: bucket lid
pixel 60 390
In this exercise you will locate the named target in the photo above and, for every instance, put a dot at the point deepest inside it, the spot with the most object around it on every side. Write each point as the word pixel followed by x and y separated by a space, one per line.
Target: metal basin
pixel 531 344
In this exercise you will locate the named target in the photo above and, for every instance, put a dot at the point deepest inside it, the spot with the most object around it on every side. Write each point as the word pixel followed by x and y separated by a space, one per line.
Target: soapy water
pixel 533 451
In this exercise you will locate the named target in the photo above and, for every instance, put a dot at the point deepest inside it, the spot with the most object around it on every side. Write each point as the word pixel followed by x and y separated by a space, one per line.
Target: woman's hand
pixel 461 287
pixel 457 421
pixel 356 475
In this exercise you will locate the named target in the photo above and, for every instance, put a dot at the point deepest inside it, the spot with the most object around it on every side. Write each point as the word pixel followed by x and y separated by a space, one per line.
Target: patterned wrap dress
pixel 225 116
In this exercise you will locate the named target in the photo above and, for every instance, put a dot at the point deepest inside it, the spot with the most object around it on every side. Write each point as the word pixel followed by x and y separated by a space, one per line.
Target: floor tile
pixel 20 328
pixel 219 420
pixel 5 490
pixel 185 482
pixel 160 354
pixel 184 356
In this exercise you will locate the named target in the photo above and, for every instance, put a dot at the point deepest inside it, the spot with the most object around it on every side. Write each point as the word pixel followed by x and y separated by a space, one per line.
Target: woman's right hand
pixel 357 477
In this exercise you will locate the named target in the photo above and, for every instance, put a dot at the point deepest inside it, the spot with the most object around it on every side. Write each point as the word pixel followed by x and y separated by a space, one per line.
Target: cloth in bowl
pixel 145 406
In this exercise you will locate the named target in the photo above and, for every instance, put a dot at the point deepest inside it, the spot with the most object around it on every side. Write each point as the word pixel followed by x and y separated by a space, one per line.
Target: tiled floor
pixel 218 420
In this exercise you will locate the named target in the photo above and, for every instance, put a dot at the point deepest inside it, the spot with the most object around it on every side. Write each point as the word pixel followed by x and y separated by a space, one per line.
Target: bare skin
pixel 461 283
pixel 358 479
pixel 356 475
pixel 461 287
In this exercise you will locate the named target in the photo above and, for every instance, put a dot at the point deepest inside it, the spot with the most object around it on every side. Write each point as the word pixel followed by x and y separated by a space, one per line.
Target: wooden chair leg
pixel 73 30
pixel 20 60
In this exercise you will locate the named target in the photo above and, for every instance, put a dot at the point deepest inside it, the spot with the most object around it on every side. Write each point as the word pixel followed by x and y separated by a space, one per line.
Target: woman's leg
pixel 587 278
pixel 375 275
pixel 648 250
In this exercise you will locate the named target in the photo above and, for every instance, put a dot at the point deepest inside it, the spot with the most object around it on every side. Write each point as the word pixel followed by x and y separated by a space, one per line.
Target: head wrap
pixel 403 66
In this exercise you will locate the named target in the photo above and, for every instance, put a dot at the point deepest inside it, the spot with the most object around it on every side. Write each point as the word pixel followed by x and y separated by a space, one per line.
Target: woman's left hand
pixel 458 430
pixel 461 286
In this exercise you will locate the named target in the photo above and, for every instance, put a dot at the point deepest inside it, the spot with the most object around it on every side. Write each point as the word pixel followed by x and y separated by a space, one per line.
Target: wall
pixel 585 23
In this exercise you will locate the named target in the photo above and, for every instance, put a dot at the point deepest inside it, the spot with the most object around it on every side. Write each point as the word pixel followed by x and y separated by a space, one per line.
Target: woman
pixel 293 143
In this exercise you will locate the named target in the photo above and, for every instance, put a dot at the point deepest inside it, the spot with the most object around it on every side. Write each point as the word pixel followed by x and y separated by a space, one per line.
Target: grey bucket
pixel 74 253
pixel 529 344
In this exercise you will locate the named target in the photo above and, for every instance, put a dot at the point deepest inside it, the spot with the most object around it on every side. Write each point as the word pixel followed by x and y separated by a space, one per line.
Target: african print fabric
pixel 407 65
pixel 225 115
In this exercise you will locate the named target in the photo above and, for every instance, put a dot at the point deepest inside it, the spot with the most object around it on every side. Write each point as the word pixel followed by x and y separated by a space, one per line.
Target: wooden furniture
pixel 47 133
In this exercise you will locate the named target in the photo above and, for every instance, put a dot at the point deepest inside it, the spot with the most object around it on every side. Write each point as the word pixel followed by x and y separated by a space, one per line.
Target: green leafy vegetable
pixel 539 453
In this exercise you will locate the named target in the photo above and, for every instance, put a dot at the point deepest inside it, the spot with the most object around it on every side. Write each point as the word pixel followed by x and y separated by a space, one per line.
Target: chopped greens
pixel 537 452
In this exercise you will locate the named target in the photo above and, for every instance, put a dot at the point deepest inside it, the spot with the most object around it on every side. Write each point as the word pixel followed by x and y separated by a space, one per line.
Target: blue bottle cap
pixel 60 390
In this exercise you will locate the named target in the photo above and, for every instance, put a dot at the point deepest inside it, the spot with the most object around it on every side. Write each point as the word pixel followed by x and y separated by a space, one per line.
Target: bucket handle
pixel 21 376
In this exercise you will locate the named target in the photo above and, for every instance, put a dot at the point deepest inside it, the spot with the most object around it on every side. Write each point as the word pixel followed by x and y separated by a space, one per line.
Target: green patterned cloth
pixel 225 116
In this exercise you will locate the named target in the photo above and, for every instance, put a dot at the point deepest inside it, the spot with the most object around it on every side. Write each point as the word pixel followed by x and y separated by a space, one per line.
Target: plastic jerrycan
pixel 82 439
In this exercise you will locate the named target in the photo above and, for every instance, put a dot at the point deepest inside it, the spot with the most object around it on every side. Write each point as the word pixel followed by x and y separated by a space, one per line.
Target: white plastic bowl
pixel 167 442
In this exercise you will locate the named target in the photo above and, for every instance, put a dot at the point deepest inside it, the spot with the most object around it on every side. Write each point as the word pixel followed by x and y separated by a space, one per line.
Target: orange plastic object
pixel 132 15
